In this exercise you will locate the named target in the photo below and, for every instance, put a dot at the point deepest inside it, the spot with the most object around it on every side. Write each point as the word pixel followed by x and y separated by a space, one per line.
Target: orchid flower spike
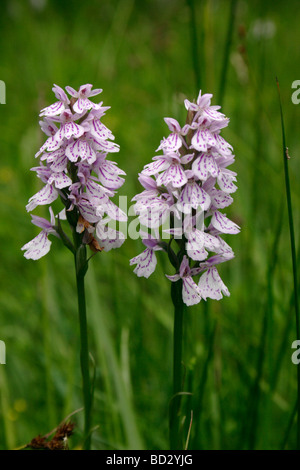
pixel 188 185
pixel 74 167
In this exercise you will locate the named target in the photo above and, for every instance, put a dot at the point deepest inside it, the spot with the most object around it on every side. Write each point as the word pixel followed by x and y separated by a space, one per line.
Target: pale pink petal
pixel 155 167
pixel 59 162
pixel 71 129
pixel 204 166
pixel 192 196
pixel 195 252
pixel 108 175
pixel 225 181
pixel 187 158
pixel 172 143
pixel 100 131
pixel 211 285
pixel 202 140
pixel 95 92
pixel 79 106
pixel 46 195
pixel 145 263
pixel 37 247
pixel 220 199
pixel 190 291
pixel 80 149
pixel 71 91
pixel 174 175
pixel 173 125
pixel 223 147
pixel 53 110
pixel 52 143
pixel 106 146
pixel 61 180
pixel 223 224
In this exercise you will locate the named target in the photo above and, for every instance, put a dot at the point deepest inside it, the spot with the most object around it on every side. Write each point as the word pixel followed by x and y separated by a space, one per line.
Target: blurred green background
pixel 237 352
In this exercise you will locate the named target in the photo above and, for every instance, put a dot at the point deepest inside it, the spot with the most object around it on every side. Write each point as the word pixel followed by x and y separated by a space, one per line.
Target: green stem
pixel 174 422
pixel 80 265
pixel 293 252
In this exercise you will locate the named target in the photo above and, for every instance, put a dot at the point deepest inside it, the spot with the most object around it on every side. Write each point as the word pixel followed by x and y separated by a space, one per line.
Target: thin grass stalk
pixel 223 76
pixel 80 265
pixel 266 336
pixel 293 249
pixel 286 333
pixel 47 346
pixel 273 259
pixel 174 423
pixel 202 384
pixel 194 44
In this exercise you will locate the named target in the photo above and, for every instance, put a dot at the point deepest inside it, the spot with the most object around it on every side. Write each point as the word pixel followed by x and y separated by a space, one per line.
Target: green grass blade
pixel 293 247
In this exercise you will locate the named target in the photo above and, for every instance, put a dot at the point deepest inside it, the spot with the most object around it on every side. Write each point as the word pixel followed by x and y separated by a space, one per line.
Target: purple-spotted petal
pixel 37 247
pixel 80 149
pixel 155 167
pixel 172 143
pixel 190 291
pixel 220 199
pixel 211 285
pixel 204 166
pixel 53 110
pixel 71 129
pixel 71 91
pixel 103 145
pixel 59 161
pixel 192 196
pixel 225 181
pixel 145 263
pixel 108 174
pixel 46 195
pixel 222 145
pixel 173 125
pixel 100 131
pixel 174 175
pixel 223 224
pixel 60 180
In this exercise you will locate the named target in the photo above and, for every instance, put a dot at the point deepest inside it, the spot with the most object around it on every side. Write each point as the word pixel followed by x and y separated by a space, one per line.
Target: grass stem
pixel 228 42
pixel 293 250
pixel 84 347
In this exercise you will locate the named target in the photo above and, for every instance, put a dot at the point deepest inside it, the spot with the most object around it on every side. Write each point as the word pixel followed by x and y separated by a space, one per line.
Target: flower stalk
pixel 185 189
pixel 80 269
pixel 75 170
pixel 174 423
